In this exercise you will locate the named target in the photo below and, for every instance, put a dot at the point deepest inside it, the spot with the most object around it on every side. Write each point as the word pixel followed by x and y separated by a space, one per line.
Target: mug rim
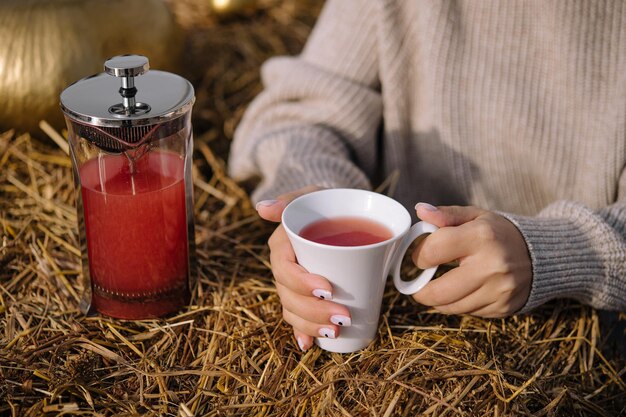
pixel 397 236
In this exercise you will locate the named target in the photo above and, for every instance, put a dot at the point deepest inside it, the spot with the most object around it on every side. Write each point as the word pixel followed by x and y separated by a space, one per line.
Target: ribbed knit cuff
pixel 298 157
pixel 563 262
pixel 290 181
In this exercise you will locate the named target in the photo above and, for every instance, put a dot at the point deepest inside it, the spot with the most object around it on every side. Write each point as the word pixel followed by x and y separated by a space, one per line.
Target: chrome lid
pixel 128 94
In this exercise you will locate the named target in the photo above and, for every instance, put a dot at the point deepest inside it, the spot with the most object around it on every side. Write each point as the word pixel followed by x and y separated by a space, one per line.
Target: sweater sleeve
pixel 317 119
pixel 577 253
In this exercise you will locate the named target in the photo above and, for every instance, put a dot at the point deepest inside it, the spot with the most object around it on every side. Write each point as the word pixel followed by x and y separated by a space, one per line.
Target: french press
pixel 131 145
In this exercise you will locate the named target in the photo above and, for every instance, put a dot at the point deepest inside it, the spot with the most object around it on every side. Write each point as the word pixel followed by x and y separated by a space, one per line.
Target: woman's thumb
pixel 272 210
pixel 444 216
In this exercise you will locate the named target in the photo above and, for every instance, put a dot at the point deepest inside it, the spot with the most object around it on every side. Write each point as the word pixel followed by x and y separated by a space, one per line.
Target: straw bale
pixel 229 352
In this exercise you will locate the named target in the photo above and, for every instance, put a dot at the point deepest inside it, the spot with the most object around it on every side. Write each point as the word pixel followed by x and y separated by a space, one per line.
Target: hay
pixel 229 353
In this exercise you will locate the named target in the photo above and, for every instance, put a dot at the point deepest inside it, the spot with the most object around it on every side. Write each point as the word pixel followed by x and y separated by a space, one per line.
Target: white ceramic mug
pixel 357 273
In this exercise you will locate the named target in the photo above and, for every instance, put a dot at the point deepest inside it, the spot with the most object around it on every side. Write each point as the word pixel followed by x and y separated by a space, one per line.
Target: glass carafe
pixel 131 148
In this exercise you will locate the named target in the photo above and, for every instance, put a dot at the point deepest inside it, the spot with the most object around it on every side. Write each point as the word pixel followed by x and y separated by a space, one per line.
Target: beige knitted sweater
pixel 514 106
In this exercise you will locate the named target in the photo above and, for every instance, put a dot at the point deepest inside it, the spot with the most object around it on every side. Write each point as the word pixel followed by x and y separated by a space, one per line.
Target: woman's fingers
pixel 487 311
pixel 503 307
pixel 304 296
pixel 308 328
pixel 293 276
pixel 496 298
pixel 313 309
pixel 304 340
pixel 473 302
pixel 450 287
pixel 445 245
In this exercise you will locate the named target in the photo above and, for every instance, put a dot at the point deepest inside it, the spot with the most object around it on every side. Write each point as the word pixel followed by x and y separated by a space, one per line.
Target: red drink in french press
pixel 131 149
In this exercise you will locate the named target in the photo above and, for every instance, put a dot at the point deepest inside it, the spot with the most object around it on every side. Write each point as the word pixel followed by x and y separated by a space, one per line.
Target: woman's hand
pixel 494 276
pixel 306 298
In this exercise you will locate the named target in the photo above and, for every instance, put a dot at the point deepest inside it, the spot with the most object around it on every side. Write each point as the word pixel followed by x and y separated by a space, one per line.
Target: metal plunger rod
pixel 128 92
pixel 127 67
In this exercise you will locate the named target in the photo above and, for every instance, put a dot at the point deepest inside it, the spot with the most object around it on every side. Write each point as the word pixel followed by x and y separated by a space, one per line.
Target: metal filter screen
pixel 121 139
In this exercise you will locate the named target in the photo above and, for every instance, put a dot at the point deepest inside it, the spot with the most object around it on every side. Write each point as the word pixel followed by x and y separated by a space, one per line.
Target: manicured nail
pixel 341 320
pixel 301 344
pixel 326 332
pixel 426 206
pixel 323 294
pixel 265 203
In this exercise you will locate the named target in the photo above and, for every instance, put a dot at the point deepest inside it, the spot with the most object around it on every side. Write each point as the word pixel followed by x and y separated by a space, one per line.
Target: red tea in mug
pixel 346 231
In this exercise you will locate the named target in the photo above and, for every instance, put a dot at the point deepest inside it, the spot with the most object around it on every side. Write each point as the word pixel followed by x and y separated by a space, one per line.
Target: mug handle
pixel 416 284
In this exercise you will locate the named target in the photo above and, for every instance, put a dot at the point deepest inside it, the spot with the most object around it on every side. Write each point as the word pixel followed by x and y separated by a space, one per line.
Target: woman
pixel 507 117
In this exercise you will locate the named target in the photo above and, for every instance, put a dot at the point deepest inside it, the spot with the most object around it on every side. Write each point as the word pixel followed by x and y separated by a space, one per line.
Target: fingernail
pixel 326 332
pixel 265 203
pixel 344 321
pixel 301 344
pixel 426 206
pixel 323 294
